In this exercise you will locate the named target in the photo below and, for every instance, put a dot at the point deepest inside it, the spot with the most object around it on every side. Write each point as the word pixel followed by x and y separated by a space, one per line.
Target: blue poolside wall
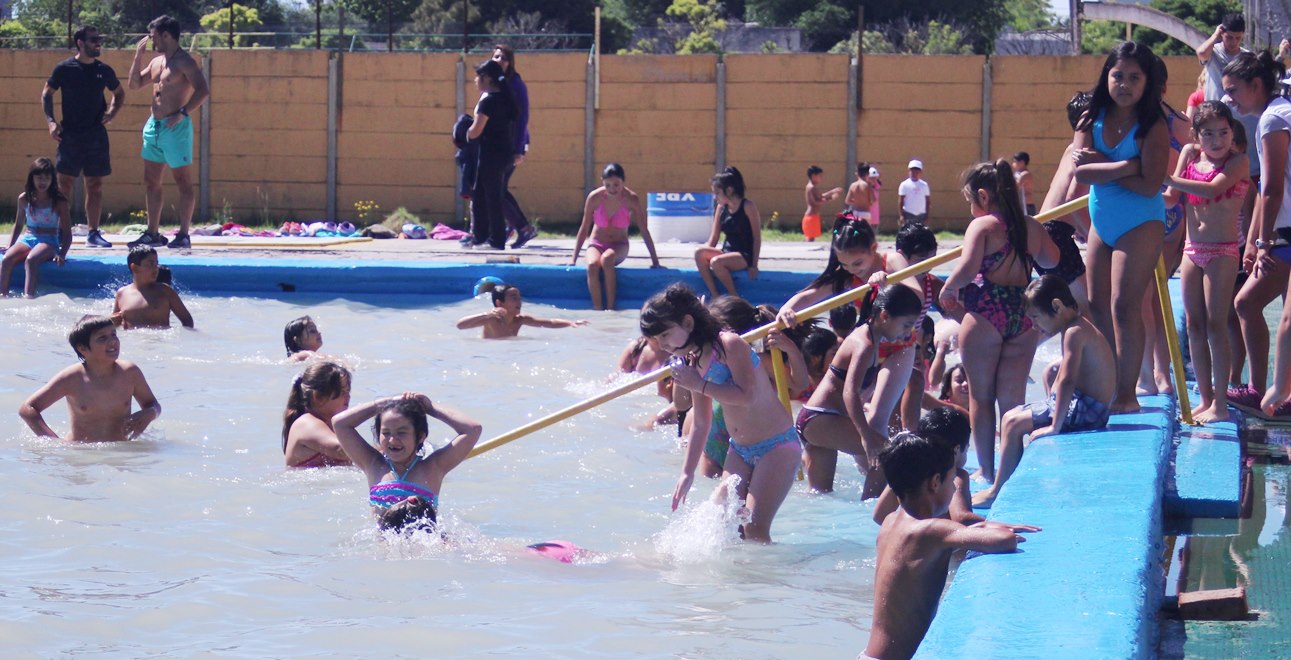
pixel 562 285
pixel 1204 479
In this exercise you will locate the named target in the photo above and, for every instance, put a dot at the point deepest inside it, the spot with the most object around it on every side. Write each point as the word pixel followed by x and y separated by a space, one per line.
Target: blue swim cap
pixel 486 284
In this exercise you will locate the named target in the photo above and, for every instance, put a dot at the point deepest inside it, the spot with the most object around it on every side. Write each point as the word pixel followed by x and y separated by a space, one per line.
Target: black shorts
pixel 85 153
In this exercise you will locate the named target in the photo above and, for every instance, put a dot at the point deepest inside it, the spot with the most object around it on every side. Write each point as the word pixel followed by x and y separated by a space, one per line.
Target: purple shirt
pixel 520 94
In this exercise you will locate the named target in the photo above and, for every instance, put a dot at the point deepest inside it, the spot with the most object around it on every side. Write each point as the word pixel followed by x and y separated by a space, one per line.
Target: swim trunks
pixel 1084 413
pixel 172 146
pixel 811 225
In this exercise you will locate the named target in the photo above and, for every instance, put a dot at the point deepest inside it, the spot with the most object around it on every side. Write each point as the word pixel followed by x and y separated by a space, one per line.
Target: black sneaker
pixel 95 239
pixel 527 234
pixel 181 242
pixel 149 238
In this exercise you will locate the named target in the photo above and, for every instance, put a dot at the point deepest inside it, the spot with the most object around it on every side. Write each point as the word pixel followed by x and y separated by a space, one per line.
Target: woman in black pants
pixel 491 129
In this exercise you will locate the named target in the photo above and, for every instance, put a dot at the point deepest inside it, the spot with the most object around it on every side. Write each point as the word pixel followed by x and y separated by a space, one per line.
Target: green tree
pixel 825 25
pixel 1201 14
pixel 1027 15
pixel 705 22
pixel 378 13
pixel 245 19
pixel 1100 37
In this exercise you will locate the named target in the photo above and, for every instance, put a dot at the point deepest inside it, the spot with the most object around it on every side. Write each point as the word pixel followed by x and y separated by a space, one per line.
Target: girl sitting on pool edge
pixel 404 486
pixel 505 319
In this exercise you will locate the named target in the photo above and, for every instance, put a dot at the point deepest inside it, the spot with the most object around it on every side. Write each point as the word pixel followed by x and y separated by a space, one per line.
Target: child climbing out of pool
pixel 715 365
pixel 949 427
pixel 1082 393
pixel 403 485
pixel 302 339
pixel 915 544
pixel 145 302
pixel 505 319
pixel 98 389
pixel 1213 172
pixel 815 199
pixel 317 394
pixel 42 228
pixel 739 219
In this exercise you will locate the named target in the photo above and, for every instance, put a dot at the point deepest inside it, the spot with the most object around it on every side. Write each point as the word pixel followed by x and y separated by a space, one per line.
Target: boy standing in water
pixel 146 302
pixel 1085 384
pixel 505 319
pixel 98 390
pixel 915 544
pixel 815 198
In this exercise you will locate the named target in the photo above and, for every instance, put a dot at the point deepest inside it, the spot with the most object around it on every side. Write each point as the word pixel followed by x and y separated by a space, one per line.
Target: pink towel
pixel 443 232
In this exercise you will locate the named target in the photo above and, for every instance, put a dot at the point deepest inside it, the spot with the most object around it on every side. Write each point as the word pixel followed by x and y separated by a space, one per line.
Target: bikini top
pixel 1192 174
pixel 320 460
pixel 620 220
pixel 720 374
pixel 871 374
pixel 385 494
pixel 42 220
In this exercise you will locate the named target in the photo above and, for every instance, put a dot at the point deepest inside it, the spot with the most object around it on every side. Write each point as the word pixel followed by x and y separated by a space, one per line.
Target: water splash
pixel 699 532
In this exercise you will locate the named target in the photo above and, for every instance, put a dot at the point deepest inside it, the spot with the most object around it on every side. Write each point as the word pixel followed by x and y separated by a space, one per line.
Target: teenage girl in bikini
pixel 995 336
pixel 317 394
pixel 715 365
pixel 834 418
pixel 1213 173
pixel 607 214
pixel 403 485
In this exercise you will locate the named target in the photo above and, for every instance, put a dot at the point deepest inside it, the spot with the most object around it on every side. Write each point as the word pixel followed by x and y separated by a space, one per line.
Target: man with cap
pixel 915 196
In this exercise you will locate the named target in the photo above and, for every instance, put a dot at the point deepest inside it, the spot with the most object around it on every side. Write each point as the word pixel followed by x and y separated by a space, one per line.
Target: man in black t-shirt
pixel 82 137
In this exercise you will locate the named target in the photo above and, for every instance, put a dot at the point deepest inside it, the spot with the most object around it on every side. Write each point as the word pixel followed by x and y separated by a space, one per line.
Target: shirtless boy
pixel 815 198
pixel 178 89
pixel 146 302
pixel 950 427
pixel 860 195
pixel 1085 384
pixel 98 390
pixel 915 544
pixel 505 319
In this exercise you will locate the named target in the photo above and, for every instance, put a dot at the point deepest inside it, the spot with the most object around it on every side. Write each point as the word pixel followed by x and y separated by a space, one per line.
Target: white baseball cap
pixel 874 171
pixel 915 164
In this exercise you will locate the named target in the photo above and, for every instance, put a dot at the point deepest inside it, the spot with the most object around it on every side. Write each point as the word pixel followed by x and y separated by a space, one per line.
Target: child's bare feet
pixel 1124 405
pixel 983 499
pixel 1210 415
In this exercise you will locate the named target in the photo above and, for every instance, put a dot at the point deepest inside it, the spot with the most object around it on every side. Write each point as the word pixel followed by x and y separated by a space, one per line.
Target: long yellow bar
pixel 1172 341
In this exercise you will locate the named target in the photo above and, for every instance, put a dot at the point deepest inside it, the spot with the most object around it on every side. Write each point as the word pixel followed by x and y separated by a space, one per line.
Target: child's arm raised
pixel 799 376
pixel 149 408
pixel 535 322
pixel 1234 172
pixel 362 454
pixel 482 319
pixel 177 306
pixel 468 433
pixel 58 387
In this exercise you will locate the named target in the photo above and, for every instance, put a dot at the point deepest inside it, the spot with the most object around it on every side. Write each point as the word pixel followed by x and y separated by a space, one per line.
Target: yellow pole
pixel 754 334
pixel 1172 341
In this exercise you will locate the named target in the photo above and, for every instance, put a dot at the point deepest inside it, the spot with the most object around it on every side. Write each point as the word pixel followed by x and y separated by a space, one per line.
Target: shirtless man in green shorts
pixel 178 88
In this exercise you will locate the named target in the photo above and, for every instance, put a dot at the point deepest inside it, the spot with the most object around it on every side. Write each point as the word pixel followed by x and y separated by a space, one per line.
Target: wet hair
pixel 1248 67
pixel 165 23
pixel 292 332
pixel 418 515
pixel 508 54
pixel 1212 110
pixel 1045 288
pixel 1233 22
pixel 997 180
pixel 843 320
pixel 1077 106
pixel 499 292
pixel 85 328
pixel 819 341
pixel 670 307
pixel 909 461
pixel 948 381
pixel 729 178
pixel 1022 156
pixel 82 34
pixel 1148 108
pixel 850 233
pixel 319 380
pixel 915 238
pixel 946 426
pixel 43 166
pixel 738 314
pixel 814 170
pixel 138 253
pixel 614 170
pixel 409 409
pixel 895 299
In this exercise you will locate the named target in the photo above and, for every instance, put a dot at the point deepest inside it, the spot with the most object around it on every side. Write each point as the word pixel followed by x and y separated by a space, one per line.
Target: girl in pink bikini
pixel 609 212
pixel 1213 173
pixel 317 394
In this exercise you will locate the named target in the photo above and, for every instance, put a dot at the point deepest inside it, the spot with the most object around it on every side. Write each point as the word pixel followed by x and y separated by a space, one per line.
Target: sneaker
pixel 95 239
pixel 181 242
pixel 149 238
pixel 527 234
pixel 467 241
pixel 1244 397
pixel 490 247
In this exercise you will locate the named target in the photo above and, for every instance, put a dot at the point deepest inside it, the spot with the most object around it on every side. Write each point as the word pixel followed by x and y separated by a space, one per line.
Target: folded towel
pixel 443 232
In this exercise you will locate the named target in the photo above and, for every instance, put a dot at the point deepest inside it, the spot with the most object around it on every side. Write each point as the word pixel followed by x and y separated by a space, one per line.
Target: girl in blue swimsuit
pixel 42 230
pixel 715 365
pixel 403 485
pixel 1121 148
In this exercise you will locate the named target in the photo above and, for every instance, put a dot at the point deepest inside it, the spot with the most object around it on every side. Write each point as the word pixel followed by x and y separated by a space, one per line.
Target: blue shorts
pixel 1084 413
pixel 754 453
pixel 32 240
pixel 172 146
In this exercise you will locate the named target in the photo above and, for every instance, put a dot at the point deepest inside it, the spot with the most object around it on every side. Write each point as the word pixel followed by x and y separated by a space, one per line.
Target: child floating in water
pixel 317 395
pixel 302 338
pixel 404 486
pixel 1085 385
pixel 915 544
pixel 43 211
pixel 505 319
pixel 146 302
pixel 98 390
